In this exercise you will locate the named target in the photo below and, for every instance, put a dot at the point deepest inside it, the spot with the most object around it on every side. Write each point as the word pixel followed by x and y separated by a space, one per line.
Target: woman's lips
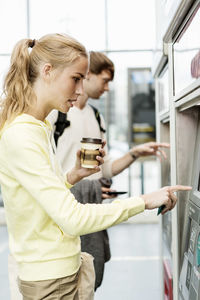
pixel 72 102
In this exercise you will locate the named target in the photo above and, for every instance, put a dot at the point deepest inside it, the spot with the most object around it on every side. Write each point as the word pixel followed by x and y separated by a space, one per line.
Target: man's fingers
pixel 179 187
pixel 104 195
pixel 105 189
pixel 162 153
pixel 155 144
pixel 164 145
pixel 158 155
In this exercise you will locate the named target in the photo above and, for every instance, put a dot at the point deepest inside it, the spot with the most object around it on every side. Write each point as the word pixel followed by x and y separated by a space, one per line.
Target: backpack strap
pixel 60 125
pixel 98 118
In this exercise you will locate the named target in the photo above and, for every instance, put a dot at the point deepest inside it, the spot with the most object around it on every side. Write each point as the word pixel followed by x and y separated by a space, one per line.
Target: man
pixel 84 121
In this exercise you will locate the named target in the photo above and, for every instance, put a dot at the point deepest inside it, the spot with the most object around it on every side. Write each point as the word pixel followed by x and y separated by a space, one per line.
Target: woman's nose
pixel 79 89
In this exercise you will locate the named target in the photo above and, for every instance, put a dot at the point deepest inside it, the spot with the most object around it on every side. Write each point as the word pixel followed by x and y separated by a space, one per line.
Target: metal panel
pixel 178 19
pixel 186 54
pixel 186 132
pixel 189 285
pixel 195 194
pixel 165 181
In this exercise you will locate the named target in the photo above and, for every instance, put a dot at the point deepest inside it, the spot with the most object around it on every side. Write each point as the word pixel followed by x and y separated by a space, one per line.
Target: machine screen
pixel 188 276
pixel 198 251
pixel 195 195
pixel 188 234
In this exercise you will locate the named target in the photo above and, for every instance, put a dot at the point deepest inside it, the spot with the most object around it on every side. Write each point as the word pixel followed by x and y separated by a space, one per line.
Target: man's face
pixel 95 85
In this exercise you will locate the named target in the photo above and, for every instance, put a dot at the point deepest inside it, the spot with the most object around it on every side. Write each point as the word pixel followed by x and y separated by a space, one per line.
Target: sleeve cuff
pixel 68 185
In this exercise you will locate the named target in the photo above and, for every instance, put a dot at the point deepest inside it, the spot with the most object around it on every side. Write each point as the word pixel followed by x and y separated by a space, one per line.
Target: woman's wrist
pixel 145 198
pixel 73 177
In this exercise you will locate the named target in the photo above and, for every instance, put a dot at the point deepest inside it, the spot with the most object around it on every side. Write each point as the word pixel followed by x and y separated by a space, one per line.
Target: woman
pixel 44 219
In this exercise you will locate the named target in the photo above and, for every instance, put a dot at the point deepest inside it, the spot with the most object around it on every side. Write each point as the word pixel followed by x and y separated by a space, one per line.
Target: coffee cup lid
pixel 91 140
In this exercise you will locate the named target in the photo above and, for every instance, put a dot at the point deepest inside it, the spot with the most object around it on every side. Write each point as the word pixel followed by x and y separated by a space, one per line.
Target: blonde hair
pixel 59 50
pixel 100 62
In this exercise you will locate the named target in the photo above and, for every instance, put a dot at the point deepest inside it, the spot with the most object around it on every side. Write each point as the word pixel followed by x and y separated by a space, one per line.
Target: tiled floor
pixel 133 272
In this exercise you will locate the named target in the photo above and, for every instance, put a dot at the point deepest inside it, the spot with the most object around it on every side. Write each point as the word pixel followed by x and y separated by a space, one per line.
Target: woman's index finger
pixel 179 187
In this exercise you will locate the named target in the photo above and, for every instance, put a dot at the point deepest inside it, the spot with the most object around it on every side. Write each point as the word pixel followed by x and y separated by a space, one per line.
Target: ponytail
pixel 17 86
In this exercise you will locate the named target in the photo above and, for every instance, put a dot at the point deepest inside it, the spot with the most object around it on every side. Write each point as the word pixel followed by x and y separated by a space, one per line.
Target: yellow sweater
pixel 44 219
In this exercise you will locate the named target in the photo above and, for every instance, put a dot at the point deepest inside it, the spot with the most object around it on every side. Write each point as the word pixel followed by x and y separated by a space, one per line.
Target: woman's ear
pixel 46 70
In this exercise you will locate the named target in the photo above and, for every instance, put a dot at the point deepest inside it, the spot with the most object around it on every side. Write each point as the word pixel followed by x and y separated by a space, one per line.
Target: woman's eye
pixel 76 79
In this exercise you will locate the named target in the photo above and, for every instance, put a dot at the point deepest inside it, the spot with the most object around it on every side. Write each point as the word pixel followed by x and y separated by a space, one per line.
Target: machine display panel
pixel 186 53
pixel 199 184
pixel 194 286
pixel 189 284
pixel 195 193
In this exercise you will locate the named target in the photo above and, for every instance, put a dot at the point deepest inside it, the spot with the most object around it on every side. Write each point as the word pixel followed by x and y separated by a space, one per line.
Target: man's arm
pixel 147 149
pixel 122 163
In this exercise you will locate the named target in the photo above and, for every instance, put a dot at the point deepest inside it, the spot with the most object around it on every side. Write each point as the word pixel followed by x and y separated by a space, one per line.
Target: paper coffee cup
pixel 89 151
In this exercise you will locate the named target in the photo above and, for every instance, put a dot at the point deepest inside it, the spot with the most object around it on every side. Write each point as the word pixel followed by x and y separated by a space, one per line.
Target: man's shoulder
pixel 74 113
pixel 88 110
pixel 52 116
pixel 92 109
pixel 99 118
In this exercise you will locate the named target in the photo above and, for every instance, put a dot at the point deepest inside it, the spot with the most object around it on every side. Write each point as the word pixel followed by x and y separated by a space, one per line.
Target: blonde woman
pixel 44 219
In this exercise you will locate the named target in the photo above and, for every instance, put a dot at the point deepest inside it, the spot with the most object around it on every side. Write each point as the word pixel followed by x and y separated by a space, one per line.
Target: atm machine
pixel 180 228
pixel 185 59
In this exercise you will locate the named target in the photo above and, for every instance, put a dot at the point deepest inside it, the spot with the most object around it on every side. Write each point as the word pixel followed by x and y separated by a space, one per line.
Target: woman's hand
pixel 164 196
pixel 78 172
pixel 151 148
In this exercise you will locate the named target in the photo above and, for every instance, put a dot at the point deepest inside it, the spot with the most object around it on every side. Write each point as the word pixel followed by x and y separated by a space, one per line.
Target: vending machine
pixel 180 235
pixel 185 111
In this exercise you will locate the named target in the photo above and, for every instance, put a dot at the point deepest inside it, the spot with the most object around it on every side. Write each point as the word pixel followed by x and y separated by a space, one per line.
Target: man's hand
pixel 106 196
pixel 151 148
